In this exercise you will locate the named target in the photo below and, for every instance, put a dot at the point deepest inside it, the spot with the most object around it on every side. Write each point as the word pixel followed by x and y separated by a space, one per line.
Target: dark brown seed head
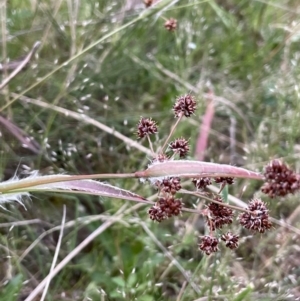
pixel 201 183
pixel 219 215
pixel 170 206
pixel 171 185
pixel 171 24
pixel 180 146
pixel 146 126
pixel 156 214
pixel 224 180
pixel 209 244
pixel 184 105
pixel 257 217
pixel 148 3
pixel 231 240
pixel 280 180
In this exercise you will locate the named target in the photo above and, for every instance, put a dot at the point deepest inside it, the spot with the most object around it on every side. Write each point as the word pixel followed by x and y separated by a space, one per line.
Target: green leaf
pixel 119 281
pixel 146 298
pixel 11 291
pixel 242 295
pixel 225 194
pixel 131 281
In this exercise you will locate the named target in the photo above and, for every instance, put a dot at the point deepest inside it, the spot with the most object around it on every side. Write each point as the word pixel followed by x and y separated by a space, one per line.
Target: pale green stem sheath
pixel 23 184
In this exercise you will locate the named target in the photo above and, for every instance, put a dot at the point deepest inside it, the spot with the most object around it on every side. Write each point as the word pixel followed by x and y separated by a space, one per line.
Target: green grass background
pixel 247 51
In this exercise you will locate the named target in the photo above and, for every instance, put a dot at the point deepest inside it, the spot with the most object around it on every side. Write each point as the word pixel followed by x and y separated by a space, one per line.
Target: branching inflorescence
pixel 279 179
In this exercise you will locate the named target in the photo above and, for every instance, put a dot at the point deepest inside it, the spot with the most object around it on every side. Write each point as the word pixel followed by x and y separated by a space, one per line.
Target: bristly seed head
pixel 170 185
pixel 219 215
pixel 224 180
pixel 171 24
pixel 201 183
pixel 209 244
pixel 146 126
pixel 185 105
pixel 180 146
pixel 280 180
pixel 257 217
pixel 165 207
pixel 170 206
pixel 156 214
pixel 231 240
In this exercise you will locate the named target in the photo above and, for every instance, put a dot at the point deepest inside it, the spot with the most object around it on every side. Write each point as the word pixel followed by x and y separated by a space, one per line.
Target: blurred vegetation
pixel 247 51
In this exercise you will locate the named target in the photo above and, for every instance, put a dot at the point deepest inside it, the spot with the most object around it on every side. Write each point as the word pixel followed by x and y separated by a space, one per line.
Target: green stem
pixel 171 134
pixel 214 201
pixel 7 187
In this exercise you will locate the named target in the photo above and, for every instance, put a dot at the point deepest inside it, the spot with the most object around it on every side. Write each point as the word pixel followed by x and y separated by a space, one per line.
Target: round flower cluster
pixel 280 180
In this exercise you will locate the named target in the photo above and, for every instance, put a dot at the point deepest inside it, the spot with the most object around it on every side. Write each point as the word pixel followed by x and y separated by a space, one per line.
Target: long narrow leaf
pixel 188 169
pixel 87 187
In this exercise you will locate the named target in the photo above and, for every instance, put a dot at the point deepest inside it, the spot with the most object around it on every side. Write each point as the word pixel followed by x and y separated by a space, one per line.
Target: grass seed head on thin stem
pixel 280 180
pixel 169 185
pixel 185 105
pixel 201 183
pixel 209 244
pixel 170 206
pixel 180 146
pixel 171 24
pixel 146 126
pixel 156 214
pixel 257 217
pixel 231 240
pixel 219 215
pixel 165 207
pixel 224 180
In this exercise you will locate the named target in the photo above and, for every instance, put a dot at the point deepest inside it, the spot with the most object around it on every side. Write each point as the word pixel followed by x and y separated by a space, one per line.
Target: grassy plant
pixel 101 66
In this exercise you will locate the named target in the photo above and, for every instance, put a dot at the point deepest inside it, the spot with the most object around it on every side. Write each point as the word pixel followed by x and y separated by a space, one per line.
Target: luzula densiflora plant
pixel 165 172
pixel 279 180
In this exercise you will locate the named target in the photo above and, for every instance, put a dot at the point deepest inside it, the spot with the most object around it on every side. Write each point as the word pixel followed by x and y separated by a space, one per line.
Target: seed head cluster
pixel 180 146
pixel 231 240
pixel 280 180
pixel 219 215
pixel 169 185
pixel 146 126
pixel 171 24
pixel 209 244
pixel 184 105
pixel 257 217
pixel 156 214
pixel 165 207
pixel 224 180
pixel 201 183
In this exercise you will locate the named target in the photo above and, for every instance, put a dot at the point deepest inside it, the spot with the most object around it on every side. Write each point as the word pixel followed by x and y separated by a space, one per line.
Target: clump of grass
pixel 166 173
pixel 79 118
